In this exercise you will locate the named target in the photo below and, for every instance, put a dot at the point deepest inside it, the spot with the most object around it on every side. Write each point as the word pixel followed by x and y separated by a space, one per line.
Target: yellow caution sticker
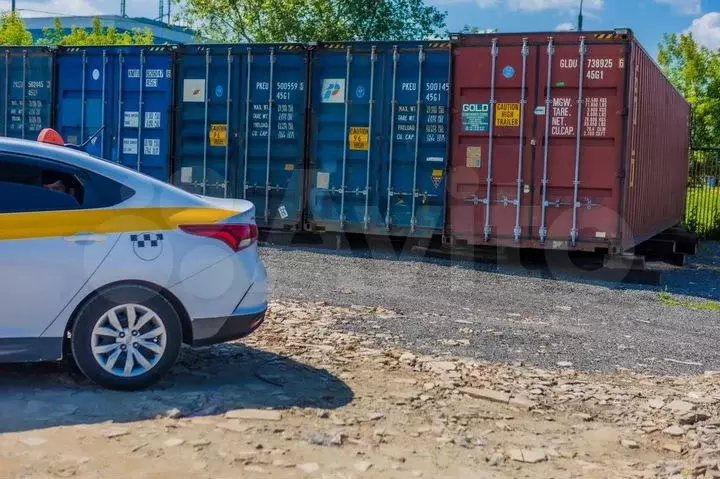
pixel 289 167
pixel 359 138
pixel 474 157
pixel 218 135
pixel 437 176
pixel 507 115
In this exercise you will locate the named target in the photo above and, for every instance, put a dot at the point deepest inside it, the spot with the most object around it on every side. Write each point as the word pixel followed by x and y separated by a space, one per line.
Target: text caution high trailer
pixel 570 141
pixel 240 127
pixel 378 138
pixel 126 90
pixel 26 85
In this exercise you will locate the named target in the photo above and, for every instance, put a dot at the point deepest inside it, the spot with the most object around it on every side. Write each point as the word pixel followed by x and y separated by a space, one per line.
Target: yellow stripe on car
pixel 50 224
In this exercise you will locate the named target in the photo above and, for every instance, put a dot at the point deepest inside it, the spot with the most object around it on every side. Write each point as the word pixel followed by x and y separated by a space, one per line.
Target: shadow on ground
pixel 205 382
pixel 699 278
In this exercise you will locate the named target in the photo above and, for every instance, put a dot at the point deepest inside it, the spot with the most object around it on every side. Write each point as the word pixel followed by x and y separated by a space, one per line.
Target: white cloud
pixel 706 30
pixel 47 8
pixel 565 27
pixel 541 5
pixel 687 7
pixel 531 5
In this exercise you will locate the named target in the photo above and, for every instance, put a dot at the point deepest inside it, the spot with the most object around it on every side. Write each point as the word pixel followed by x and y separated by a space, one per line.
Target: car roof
pixel 62 154
pixel 81 159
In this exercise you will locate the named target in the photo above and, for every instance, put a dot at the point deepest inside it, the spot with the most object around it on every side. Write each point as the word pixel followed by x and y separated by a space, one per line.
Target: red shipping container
pixel 574 140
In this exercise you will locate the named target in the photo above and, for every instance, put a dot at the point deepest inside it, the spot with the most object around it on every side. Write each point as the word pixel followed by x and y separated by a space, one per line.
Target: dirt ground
pixel 301 399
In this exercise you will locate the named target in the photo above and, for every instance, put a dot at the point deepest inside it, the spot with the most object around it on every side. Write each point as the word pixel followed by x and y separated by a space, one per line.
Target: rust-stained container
pixel 574 140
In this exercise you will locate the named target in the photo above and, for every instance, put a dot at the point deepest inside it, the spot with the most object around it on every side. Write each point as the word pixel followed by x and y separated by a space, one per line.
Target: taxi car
pixel 116 270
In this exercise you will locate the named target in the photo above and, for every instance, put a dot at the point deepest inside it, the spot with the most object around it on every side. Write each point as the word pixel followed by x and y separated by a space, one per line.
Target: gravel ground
pixel 508 315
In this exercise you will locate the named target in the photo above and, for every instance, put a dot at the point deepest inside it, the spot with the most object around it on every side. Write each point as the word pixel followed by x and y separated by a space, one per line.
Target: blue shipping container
pixel 26 80
pixel 126 90
pixel 379 138
pixel 240 126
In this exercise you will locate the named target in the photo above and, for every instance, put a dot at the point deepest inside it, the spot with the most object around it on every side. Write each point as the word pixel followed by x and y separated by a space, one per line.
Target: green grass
pixel 668 300
pixel 703 212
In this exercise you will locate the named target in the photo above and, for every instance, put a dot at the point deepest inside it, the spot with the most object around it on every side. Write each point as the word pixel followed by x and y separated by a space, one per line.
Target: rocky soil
pixel 306 398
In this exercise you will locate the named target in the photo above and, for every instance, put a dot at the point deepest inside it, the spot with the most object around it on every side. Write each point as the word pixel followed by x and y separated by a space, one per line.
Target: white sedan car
pixel 115 269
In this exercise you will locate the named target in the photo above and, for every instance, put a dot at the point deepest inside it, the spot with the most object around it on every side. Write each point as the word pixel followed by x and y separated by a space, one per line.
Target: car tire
pixel 116 354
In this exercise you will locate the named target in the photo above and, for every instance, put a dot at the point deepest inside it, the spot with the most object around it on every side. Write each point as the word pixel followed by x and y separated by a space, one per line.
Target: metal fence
pixel 702 215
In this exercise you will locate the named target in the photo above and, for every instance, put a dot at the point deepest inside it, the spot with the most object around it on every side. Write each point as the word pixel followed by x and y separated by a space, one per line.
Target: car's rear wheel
pixel 128 337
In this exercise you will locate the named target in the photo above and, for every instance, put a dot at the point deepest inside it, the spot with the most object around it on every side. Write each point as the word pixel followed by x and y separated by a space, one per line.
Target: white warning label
pixel 130 146
pixel 151 146
pixel 131 119
pixel 152 119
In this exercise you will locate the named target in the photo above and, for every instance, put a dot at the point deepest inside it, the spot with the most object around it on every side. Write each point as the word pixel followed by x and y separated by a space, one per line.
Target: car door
pixel 48 246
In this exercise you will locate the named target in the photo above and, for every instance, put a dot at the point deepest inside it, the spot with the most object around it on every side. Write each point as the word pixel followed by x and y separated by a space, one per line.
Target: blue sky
pixel 648 18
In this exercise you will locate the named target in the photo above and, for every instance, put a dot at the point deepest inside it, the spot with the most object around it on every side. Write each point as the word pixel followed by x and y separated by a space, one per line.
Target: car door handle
pixel 85 238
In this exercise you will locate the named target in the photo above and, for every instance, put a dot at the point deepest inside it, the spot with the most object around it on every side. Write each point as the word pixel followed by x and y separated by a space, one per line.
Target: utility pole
pixel 580 17
pixel 122 8
pixel 13 6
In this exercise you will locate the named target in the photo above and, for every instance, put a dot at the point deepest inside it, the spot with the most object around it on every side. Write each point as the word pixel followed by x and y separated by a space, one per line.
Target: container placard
pixel 194 90
pixel 507 115
pixel 218 135
pixel 474 157
pixel 476 117
pixel 359 138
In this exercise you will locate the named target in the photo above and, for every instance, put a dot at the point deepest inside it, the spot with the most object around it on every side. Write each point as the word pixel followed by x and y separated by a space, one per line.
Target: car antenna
pixel 86 142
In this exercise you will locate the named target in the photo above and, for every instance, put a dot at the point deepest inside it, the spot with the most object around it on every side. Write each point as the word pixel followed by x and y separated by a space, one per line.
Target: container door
pixel 84 89
pixel 346 132
pixel 27 87
pixel 274 89
pixel 495 88
pixel 417 91
pixel 577 192
pixel 142 99
pixel 207 125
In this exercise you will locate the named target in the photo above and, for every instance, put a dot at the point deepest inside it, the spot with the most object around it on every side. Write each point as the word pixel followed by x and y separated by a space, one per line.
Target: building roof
pixel 162 32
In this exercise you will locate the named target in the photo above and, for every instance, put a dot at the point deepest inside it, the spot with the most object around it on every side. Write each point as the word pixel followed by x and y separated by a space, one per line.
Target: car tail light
pixel 237 237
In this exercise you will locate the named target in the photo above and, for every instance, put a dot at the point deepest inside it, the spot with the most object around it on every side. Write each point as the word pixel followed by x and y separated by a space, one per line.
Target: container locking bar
pixel 517 231
pixel 494 52
pixel 226 181
pixel 83 100
pixel 24 99
pixel 271 102
pixel 419 103
pixel 102 104
pixel 140 148
pixel 393 107
pixel 576 182
pixel 207 104
pixel 348 60
pixel 371 105
pixel 7 90
pixel 548 109
pixel 248 107
pixel 121 103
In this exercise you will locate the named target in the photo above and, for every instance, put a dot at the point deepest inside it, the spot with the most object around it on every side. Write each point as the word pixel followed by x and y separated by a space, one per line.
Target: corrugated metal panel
pixel 378 150
pixel 659 149
pixel 240 126
pixel 539 143
pixel 126 90
pixel 26 83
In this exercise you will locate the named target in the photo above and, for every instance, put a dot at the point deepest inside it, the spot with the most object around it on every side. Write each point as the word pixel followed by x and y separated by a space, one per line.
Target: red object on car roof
pixel 48 135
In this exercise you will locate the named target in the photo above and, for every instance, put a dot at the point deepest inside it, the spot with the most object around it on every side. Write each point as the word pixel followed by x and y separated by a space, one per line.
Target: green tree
pixel 13 31
pixel 98 36
pixel 695 71
pixel 312 20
